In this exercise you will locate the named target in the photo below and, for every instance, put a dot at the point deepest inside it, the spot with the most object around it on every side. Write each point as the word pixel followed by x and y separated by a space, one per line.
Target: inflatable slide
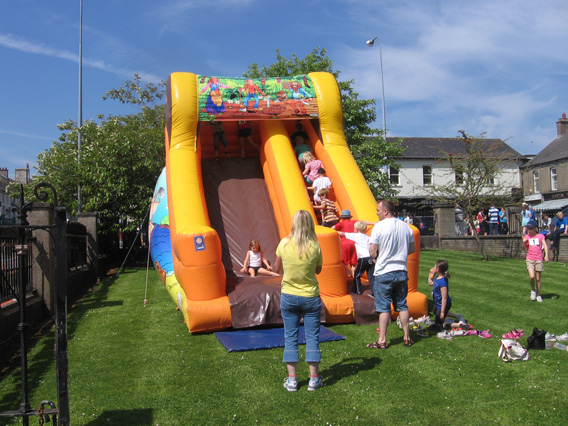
pixel 212 200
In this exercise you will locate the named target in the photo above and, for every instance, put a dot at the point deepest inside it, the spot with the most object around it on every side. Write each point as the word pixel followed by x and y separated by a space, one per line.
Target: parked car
pixel 425 224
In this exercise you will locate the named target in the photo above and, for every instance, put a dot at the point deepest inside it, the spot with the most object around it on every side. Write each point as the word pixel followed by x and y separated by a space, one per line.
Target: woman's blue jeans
pixel 293 308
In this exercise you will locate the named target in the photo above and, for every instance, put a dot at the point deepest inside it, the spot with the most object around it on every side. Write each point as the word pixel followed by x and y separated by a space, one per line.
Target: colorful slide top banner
pixel 241 98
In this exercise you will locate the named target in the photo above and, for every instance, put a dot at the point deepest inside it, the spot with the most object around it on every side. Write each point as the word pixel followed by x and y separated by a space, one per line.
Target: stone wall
pixel 494 245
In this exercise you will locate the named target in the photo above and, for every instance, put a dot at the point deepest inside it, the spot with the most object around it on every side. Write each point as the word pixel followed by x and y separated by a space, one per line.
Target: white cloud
pixel 13 42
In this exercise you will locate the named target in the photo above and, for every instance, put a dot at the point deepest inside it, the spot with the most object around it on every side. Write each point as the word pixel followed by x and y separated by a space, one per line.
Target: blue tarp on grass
pixel 248 340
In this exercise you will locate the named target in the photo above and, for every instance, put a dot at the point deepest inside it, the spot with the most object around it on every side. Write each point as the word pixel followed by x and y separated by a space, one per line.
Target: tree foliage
pixel 120 160
pixel 475 170
pixel 368 145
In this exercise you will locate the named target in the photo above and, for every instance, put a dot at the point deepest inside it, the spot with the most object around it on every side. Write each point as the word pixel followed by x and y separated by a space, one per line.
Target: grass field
pixel 136 365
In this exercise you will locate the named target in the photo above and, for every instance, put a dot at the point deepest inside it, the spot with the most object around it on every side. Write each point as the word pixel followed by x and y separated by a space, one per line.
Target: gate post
pixel 62 359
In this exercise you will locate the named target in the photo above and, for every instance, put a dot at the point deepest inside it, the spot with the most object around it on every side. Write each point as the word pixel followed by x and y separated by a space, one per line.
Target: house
pixel 422 165
pixel 545 177
pixel 7 203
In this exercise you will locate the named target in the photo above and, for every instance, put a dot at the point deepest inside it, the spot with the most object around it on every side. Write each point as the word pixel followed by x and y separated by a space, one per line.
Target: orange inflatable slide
pixel 218 200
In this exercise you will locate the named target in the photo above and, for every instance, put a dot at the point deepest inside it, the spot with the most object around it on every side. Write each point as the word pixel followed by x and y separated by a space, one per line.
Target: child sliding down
pixel 255 263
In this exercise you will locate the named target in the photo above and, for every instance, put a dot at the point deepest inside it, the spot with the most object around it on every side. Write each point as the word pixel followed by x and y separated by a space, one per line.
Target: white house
pixel 422 165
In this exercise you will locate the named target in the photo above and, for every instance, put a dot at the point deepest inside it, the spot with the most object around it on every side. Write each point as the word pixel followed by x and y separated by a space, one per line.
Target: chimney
pixel 23 175
pixel 562 125
pixel 4 172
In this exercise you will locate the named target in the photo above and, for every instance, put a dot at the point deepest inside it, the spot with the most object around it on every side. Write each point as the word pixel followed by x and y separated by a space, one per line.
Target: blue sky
pixel 482 66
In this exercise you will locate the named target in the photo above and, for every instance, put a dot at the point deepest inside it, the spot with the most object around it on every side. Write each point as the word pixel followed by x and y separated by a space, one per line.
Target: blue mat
pixel 248 340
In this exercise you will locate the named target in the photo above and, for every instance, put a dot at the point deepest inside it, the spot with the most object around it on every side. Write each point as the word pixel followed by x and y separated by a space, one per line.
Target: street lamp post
pixel 371 43
pixel 80 118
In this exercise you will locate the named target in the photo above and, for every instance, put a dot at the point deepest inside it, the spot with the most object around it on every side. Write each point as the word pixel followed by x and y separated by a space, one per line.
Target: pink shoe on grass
pixel 485 334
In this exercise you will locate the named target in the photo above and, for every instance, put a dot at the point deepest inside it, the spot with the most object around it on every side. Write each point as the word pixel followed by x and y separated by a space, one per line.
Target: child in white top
pixel 364 261
pixel 322 182
pixel 255 262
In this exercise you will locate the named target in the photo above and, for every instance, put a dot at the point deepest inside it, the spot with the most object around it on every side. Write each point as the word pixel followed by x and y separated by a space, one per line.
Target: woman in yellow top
pixel 300 255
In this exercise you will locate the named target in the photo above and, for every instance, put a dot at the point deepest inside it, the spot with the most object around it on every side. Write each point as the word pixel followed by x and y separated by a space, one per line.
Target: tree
pixel 368 145
pixel 470 174
pixel 121 159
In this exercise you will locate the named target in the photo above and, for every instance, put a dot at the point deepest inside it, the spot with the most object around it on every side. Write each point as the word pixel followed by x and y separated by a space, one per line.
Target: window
pixel 427 175
pixel 459 177
pixel 394 175
pixel 491 181
pixel 553 181
pixel 536 182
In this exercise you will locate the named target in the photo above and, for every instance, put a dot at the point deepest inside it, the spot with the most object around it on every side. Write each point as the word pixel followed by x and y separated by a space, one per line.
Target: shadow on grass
pixel 348 367
pixel 44 355
pixel 550 296
pixel 140 417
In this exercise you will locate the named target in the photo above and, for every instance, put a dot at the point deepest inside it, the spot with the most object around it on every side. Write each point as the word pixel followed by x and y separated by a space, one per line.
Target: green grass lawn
pixel 136 365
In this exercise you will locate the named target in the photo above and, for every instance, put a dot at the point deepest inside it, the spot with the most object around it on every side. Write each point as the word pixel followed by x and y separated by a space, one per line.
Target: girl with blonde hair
pixel 311 168
pixel 300 256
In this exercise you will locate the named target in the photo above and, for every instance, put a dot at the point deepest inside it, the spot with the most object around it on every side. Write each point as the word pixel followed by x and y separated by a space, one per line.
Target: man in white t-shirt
pixel 391 242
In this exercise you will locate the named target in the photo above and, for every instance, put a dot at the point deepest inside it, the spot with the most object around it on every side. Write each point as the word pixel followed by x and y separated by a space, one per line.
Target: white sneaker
pixel 446 335
pixel 454 333
pixel 550 337
pixel 538 299
pixel 314 384
pixel 562 337
pixel 292 386
pixel 533 295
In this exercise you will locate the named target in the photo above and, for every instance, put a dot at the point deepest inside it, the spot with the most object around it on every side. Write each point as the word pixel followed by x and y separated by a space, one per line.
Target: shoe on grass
pixel 562 337
pixel 539 299
pixel 445 335
pixel 315 383
pixel 511 335
pixel 550 337
pixel 533 295
pixel 291 385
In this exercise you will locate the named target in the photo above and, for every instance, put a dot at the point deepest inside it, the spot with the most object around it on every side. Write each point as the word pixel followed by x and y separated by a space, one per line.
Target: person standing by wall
pixel 493 220
pixel 300 255
pixel 503 223
pixel 392 241
pixel 561 227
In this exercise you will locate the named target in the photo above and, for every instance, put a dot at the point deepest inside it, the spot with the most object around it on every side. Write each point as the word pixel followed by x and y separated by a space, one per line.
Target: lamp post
pixel 80 118
pixel 371 43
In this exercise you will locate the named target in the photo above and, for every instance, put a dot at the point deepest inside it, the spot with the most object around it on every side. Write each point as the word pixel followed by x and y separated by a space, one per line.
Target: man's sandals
pixel 377 345
pixel 384 345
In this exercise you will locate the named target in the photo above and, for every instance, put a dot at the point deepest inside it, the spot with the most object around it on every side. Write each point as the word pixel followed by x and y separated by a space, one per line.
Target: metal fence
pixel 10 266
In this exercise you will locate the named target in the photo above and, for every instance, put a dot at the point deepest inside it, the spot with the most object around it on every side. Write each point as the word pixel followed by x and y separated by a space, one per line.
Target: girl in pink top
pixel 534 243
pixel 311 168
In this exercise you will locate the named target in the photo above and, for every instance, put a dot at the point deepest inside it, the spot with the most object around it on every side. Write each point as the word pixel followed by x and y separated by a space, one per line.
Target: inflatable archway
pixel 208 209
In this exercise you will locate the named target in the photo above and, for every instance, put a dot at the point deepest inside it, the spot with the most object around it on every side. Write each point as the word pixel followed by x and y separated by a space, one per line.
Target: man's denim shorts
pixel 391 287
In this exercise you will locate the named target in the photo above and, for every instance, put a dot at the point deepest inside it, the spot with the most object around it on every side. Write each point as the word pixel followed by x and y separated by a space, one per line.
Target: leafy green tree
pixel 471 174
pixel 121 158
pixel 372 153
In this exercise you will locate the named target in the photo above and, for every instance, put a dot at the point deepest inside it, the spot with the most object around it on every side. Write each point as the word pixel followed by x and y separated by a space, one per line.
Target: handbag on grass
pixel 511 350
pixel 537 339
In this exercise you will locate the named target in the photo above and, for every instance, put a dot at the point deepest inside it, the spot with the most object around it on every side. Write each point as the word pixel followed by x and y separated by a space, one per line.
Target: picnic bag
pixel 536 340
pixel 511 350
